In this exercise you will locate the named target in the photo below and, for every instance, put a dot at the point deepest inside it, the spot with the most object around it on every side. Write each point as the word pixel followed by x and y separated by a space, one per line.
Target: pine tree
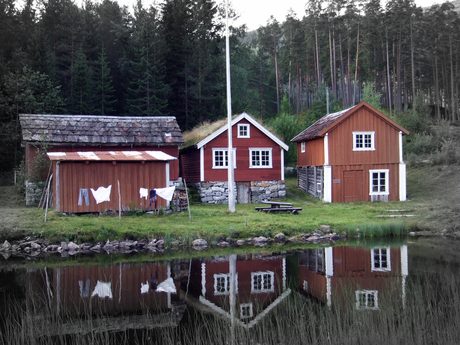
pixel 147 92
pixel 104 91
pixel 80 98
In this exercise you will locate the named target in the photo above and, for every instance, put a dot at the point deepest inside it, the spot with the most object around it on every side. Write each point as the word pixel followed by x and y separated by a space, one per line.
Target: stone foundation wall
pixel 34 191
pixel 267 190
pixel 217 192
pixel 213 192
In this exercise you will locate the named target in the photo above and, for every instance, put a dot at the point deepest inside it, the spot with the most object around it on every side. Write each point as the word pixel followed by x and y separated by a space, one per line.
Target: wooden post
pixel 188 204
pixel 48 196
pixel 119 201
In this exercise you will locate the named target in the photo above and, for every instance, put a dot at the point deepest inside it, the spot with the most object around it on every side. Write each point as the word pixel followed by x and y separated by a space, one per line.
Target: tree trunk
pixel 412 61
pixel 389 80
pixel 356 67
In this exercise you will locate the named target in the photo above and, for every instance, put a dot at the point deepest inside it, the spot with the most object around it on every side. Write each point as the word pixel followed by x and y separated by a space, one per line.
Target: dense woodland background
pixel 62 57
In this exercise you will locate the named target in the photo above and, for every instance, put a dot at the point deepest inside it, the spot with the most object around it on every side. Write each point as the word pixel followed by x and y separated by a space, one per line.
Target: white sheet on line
pixel 102 194
pixel 166 193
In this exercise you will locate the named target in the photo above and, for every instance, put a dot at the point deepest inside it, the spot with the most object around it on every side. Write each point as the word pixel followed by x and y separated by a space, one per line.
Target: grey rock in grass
pixel 223 244
pixel 199 243
pixel 335 237
pixel 325 228
pixel 6 246
pixel 240 242
pixel 260 240
pixel 292 239
pixel 160 244
pixel 64 246
pixel 280 237
pixel 52 248
pixel 73 247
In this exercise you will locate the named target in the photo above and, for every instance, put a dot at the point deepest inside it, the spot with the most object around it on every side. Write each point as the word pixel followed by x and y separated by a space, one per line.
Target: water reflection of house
pixel 114 297
pixel 241 288
pixel 333 275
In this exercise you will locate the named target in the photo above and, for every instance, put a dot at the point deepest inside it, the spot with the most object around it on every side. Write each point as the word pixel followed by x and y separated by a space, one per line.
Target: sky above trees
pixel 255 13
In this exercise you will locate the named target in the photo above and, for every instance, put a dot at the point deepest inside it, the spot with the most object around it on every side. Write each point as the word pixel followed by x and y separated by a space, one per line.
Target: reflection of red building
pixel 243 290
pixel 369 275
pixel 116 295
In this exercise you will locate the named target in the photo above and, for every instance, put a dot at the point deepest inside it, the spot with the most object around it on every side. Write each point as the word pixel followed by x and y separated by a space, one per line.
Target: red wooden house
pixel 359 277
pixel 258 163
pixel 353 155
pixel 244 289
pixel 104 298
pixel 79 133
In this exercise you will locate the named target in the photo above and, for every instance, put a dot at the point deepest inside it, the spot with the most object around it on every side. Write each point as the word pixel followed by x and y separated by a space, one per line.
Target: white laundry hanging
pixel 101 194
pixel 166 286
pixel 102 290
pixel 143 193
pixel 166 193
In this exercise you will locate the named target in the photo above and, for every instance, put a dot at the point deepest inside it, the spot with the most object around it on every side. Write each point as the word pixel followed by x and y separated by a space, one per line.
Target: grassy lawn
pixel 212 222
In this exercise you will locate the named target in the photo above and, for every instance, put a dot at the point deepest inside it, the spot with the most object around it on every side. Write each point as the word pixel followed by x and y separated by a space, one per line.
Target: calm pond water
pixel 382 292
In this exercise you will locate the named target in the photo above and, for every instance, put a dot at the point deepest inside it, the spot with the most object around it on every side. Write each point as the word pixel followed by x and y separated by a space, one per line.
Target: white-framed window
pixel 363 141
pixel 243 130
pixel 302 147
pixel 379 182
pixel 262 281
pixel 222 283
pixel 220 158
pixel 260 157
pixel 246 311
pixel 380 258
pixel 367 299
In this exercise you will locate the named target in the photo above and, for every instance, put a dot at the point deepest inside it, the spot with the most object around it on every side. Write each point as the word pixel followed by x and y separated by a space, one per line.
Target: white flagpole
pixel 231 175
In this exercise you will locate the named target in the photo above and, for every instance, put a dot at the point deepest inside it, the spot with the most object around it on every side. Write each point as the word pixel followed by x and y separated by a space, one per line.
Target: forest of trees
pixel 60 57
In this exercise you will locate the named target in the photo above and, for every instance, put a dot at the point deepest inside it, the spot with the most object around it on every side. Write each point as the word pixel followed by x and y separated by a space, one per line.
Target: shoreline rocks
pixel 38 247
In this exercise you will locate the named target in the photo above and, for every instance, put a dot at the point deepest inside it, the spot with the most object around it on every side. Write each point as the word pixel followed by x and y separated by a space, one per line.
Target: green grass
pixel 212 222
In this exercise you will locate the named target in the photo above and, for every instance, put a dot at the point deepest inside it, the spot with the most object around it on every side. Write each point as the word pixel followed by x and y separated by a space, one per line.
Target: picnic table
pixel 275 207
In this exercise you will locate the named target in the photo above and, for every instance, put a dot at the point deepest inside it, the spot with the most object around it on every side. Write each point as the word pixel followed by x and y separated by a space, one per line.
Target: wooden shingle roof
pixel 87 130
pixel 328 122
pixel 313 131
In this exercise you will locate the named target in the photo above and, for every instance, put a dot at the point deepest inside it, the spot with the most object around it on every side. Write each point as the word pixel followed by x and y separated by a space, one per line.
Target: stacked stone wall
pixel 34 191
pixel 267 190
pixel 217 192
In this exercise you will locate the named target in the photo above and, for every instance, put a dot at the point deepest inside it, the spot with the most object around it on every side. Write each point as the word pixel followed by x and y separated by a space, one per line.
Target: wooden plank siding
pixel 125 281
pixel 242 145
pixel 132 176
pixel 190 165
pixel 313 155
pixel 341 141
pixel 338 185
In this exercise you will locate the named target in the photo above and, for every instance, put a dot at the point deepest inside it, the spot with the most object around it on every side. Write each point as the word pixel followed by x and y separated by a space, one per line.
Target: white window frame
pixel 377 254
pixel 364 148
pixel 225 150
pixel 250 309
pixel 302 147
pixel 271 276
pixel 387 182
pixel 226 276
pixel 259 150
pixel 367 293
pixel 240 127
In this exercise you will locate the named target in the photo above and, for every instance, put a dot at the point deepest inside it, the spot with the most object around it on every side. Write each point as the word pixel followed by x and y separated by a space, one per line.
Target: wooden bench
pixel 276 207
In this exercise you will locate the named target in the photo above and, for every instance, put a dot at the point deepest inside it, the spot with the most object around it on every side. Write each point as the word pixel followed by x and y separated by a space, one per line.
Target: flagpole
pixel 231 175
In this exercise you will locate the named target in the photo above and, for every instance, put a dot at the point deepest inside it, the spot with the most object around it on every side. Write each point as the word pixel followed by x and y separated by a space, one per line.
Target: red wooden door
pixel 352 185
